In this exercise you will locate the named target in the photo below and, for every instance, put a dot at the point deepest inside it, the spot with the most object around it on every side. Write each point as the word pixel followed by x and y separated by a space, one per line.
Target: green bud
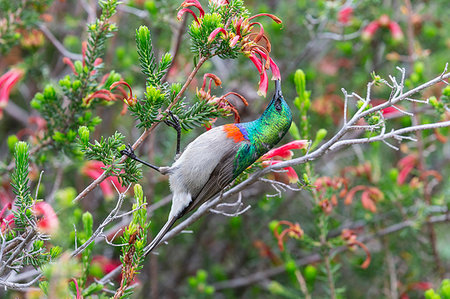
pixel 78 66
pixel 419 67
pixel 320 135
pixel 273 225
pixel 138 193
pixel 166 59
pixel 276 288
pixel 70 136
pixel 209 290
pixel 290 266
pixel 414 78
pixel 49 93
pixel 446 91
pixel 150 6
pixel 65 82
pixel 12 140
pixel 59 137
pixel 143 34
pixel 35 104
pixel 202 275
pixel 192 281
pixel 445 289
pixel 306 179
pixel 430 294
pixel 393 174
pixel 83 132
pixel 293 130
pixel 87 223
pixel 310 273
pixel 21 149
pixel 299 80
pixel 76 84
pixel 359 104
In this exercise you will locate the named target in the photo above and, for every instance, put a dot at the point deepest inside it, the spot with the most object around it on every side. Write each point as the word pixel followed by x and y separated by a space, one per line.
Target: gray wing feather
pixel 220 177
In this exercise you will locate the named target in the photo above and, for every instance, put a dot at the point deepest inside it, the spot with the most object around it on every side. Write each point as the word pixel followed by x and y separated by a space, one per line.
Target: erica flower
pixel 7 82
pixel 247 35
pixel 293 230
pixel 94 169
pixel 383 22
pixel 406 165
pixel 47 220
pixel 368 197
pixel 190 3
pixel 222 103
pixel 349 236
pixel 281 153
pixel 345 14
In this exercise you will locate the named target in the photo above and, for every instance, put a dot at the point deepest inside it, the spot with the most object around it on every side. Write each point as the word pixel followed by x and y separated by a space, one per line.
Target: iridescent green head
pixel 278 115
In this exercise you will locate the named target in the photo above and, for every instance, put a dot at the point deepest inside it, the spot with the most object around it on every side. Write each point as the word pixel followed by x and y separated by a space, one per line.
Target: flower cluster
pixel 382 22
pixel 239 33
pixel 345 14
pixel 369 196
pixel 222 103
pixel 7 82
pixel 281 153
pixel 323 185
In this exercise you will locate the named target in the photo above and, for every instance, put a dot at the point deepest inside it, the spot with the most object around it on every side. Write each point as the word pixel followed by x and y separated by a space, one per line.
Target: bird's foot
pixel 128 151
pixel 173 122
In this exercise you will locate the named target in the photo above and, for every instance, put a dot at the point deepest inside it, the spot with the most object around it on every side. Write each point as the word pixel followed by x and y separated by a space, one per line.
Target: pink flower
pixel 189 3
pixel 7 82
pixel 93 169
pixel 47 220
pixel 370 30
pixel 345 14
pixel 284 152
pixel 396 31
pixel 405 166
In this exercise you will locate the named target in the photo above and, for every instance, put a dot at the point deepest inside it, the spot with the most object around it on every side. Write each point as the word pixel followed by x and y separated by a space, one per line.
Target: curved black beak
pixel 278 89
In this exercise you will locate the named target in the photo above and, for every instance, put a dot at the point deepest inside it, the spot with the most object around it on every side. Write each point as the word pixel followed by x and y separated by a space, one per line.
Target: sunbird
pixel 215 158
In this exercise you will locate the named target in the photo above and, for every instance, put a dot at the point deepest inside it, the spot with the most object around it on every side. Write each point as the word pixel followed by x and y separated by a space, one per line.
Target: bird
pixel 215 158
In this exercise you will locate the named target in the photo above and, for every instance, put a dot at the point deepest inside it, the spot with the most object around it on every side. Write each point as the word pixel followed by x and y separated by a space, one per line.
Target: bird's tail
pixel 155 242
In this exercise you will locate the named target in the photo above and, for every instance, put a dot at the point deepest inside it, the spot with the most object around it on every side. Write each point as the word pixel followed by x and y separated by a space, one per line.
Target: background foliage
pixel 68 107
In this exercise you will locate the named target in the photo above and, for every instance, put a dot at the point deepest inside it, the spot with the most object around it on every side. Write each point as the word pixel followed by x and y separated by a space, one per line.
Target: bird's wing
pixel 220 177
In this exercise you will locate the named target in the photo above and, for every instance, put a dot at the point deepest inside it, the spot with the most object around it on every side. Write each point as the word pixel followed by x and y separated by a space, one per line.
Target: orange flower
pixel 293 231
pixel 349 236
pixel 368 197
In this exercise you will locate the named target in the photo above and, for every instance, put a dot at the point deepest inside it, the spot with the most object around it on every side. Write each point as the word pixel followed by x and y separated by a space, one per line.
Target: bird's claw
pixel 128 151
pixel 174 120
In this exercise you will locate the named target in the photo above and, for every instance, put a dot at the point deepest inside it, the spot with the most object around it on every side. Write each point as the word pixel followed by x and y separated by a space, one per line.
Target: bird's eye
pixel 278 105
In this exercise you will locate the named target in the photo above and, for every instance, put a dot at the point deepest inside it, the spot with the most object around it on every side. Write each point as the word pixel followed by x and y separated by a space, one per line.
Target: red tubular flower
pixel 93 169
pixel 396 31
pixel 290 176
pixel 370 30
pixel 405 165
pixel 275 70
pixel 7 222
pixel 189 3
pixel 263 85
pixel 7 82
pixel 284 151
pixel 195 3
pixel 47 220
pixel 273 17
pixel 216 31
pixel 345 14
